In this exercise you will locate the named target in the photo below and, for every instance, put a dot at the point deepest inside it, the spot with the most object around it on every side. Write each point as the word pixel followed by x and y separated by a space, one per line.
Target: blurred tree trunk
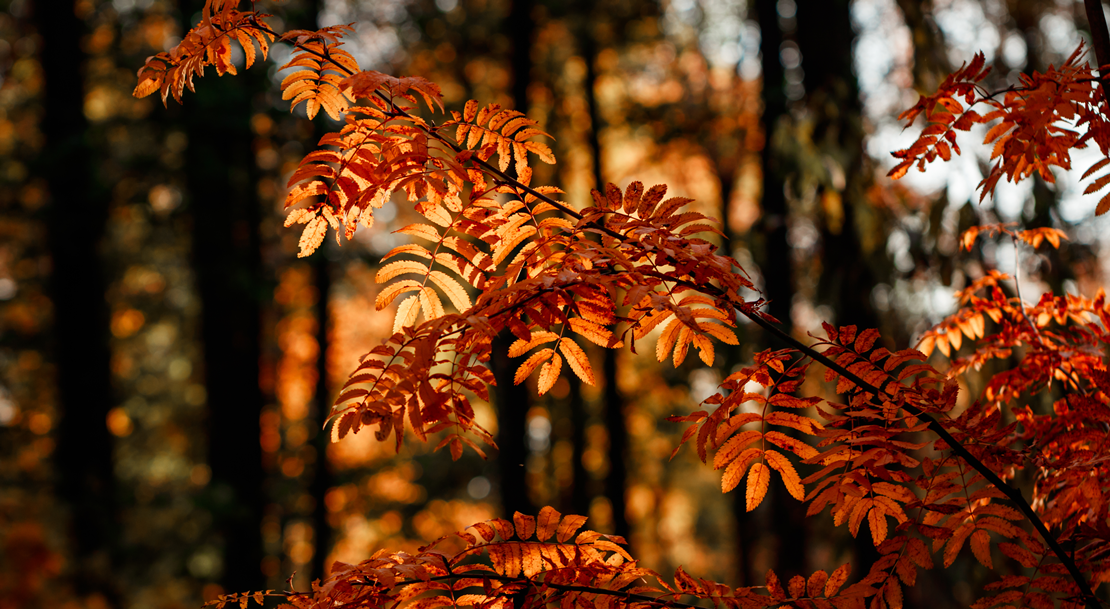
pixel 513 400
pixel 851 237
pixel 77 215
pixel 225 210
pixel 616 482
pixel 321 475
pixel 786 526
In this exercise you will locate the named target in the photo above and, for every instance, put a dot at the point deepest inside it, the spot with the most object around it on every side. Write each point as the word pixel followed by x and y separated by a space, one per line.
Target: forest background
pixel 166 361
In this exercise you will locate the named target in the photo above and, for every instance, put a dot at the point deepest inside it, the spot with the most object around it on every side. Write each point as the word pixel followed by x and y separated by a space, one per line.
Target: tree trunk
pixel 825 38
pixel 616 482
pixel 513 400
pixel 77 216
pixel 321 475
pixel 225 211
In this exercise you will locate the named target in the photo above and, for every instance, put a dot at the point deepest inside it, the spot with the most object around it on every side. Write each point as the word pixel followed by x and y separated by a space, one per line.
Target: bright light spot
pixel 539 433
pixel 1014 51
pixel 478 487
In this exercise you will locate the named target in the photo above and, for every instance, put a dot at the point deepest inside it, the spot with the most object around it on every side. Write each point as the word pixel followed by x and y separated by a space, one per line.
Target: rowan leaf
pixel 547 522
pixel 785 468
pixel 837 579
pixel 737 468
pixel 530 364
pixel 981 547
pixel 759 478
pixel 577 360
pixel 406 313
pixel 568 527
pixel 549 373
pixel 525 525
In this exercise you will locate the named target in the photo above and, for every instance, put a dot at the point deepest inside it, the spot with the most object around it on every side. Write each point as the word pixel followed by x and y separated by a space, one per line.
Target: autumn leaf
pixel 759 478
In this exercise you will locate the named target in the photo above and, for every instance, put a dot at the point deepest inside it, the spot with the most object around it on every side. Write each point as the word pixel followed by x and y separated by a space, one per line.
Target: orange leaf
pixel 577 360
pixel 837 579
pixel 525 525
pixel 736 470
pixel 816 583
pixel 981 547
pixel 567 528
pixel 877 520
pixel 759 478
pixel 548 521
pixel 549 374
pixel 789 476
pixel 531 363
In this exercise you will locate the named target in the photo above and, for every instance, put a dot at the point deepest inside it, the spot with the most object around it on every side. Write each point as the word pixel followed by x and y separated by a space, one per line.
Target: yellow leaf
pixel 682 344
pixel 570 524
pixel 454 290
pixel 424 231
pixel 549 374
pixel 577 360
pixel 759 478
pixel 312 236
pixel 406 313
pixel 470 110
pixel 437 214
pixel 394 290
pixel 431 304
pixel 400 267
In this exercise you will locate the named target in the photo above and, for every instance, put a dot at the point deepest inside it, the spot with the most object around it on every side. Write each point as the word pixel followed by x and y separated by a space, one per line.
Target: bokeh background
pixel 166 362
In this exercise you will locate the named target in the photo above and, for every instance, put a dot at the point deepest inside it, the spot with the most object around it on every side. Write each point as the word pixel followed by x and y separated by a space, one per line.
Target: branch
pixel 1013 494
pixel 1102 52
pixel 1100 39
pixel 562 587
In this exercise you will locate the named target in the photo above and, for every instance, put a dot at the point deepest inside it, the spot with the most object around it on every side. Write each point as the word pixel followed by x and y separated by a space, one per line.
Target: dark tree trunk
pixel 616 482
pixel 512 400
pixel 321 476
pixel 778 280
pixel 774 256
pixel 825 38
pixel 77 215
pixel 321 473
pixel 512 411
pixel 221 185
pixel 581 494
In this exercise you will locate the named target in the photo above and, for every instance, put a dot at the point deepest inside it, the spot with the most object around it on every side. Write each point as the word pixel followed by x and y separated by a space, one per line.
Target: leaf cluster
pixel 889 444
